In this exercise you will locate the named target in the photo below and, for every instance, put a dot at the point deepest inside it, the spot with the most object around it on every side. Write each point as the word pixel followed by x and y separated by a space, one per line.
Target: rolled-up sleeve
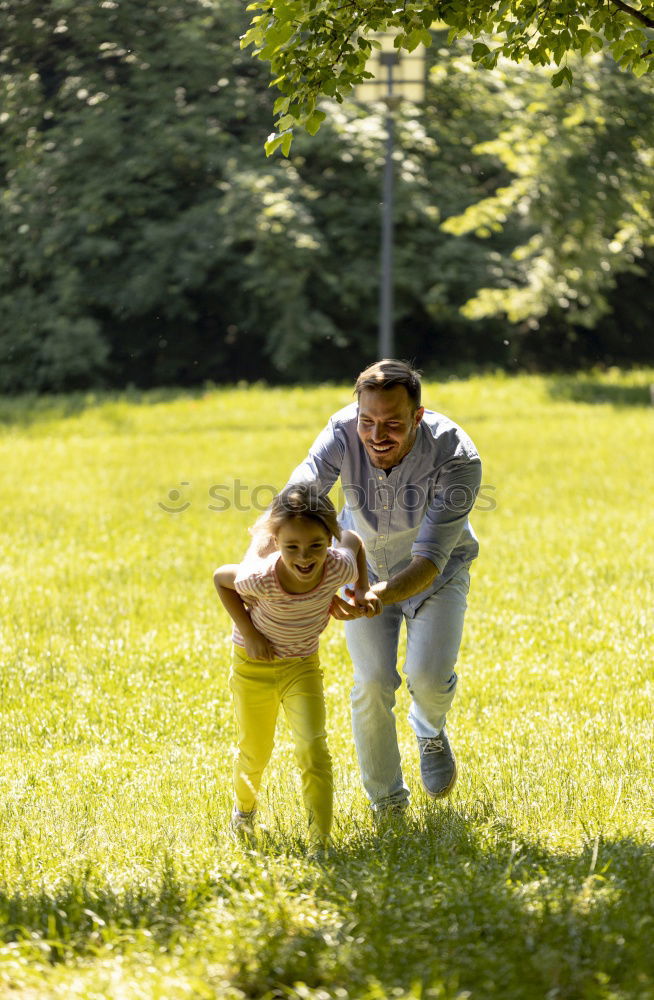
pixel 454 494
pixel 323 463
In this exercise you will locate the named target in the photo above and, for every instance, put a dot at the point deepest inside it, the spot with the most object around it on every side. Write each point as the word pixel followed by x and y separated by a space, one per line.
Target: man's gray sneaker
pixel 389 815
pixel 437 765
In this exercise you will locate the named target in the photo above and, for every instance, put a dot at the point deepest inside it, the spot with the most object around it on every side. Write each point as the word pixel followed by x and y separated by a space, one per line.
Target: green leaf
pixel 599 18
pixel 479 50
pixel 636 36
pixel 285 122
pixel 563 74
pixel 314 122
pixel 619 48
pixel 272 143
pixel 251 37
pixel 286 143
pixel 281 105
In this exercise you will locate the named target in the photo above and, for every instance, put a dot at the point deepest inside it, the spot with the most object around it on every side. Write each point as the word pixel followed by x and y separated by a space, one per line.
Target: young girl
pixel 280 604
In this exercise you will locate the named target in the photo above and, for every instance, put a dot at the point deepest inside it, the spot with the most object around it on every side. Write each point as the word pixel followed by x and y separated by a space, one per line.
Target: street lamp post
pixel 395 76
pixel 386 347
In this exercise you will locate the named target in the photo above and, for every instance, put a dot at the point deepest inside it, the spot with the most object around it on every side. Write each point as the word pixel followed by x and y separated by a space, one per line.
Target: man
pixel 410 477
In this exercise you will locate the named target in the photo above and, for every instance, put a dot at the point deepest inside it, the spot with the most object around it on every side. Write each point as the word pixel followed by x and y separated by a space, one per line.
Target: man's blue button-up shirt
pixel 420 508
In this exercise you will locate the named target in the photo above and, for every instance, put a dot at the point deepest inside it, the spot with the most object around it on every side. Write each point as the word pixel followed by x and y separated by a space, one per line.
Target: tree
pixel 135 221
pixel 319 48
pixel 580 191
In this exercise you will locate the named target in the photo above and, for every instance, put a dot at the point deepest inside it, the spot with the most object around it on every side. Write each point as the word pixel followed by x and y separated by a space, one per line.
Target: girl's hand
pixel 257 647
pixel 357 603
pixel 344 610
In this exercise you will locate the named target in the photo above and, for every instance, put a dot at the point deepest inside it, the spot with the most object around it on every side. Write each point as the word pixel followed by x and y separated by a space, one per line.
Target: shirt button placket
pixel 384 525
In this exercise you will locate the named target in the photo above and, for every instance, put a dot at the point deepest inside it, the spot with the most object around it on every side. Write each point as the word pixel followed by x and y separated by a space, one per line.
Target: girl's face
pixel 302 543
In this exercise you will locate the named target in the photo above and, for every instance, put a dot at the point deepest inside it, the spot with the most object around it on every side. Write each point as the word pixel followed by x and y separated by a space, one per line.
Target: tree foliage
pixel 319 48
pixel 131 201
pixel 581 191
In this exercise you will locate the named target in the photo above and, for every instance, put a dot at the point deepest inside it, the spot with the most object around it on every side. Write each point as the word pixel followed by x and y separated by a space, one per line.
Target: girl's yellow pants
pixel 258 688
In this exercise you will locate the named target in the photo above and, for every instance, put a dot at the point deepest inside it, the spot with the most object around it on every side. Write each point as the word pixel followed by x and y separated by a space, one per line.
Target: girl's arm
pixel 364 597
pixel 257 646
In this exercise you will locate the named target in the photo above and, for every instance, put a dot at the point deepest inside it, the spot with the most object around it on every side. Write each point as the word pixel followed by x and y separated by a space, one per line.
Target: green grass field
pixel 117 876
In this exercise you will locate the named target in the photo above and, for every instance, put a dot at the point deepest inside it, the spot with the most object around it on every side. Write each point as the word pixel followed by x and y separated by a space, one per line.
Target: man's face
pixel 387 424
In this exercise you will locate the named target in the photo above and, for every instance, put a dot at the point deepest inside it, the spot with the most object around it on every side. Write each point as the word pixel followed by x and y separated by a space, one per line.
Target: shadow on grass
pixel 31 408
pixel 461 906
pixel 581 389
pixel 82 914
pixel 29 411
pixel 444 904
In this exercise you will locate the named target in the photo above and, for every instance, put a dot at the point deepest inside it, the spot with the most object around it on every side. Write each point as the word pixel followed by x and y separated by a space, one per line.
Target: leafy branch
pixel 633 12
pixel 307 42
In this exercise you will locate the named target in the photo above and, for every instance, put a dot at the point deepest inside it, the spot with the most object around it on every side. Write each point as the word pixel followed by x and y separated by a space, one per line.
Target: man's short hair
pixel 388 373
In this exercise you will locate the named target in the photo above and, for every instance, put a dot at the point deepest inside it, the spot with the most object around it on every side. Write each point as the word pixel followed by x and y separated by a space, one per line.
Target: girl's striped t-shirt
pixel 292 622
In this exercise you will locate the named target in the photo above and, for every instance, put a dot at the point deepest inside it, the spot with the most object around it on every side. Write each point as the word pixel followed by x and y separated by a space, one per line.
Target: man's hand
pixel 417 576
pixel 367 600
pixel 257 646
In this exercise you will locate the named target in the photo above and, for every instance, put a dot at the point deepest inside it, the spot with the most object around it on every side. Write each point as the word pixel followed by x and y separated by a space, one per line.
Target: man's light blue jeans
pixel 433 640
